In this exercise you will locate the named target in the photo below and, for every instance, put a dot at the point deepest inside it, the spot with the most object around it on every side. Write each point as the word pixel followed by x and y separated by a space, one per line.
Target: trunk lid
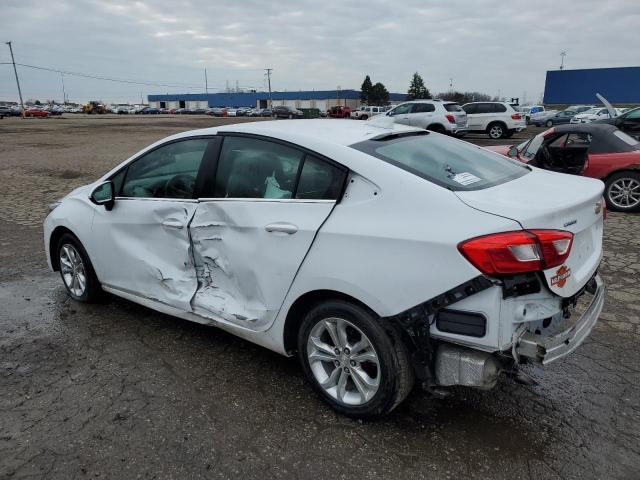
pixel 548 200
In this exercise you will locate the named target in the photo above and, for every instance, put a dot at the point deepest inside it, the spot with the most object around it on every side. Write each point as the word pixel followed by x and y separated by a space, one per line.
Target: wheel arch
pixel 628 168
pixel 436 127
pixel 303 304
pixel 499 122
pixel 54 238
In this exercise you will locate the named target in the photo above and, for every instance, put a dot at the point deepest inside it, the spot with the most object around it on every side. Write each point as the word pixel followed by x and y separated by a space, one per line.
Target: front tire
pixel 549 123
pixel 76 270
pixel 351 361
pixel 622 192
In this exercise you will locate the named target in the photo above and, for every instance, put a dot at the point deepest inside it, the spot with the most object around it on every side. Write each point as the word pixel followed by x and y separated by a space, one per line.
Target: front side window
pixel 484 108
pixel 400 109
pixel 254 168
pixel 167 172
pixel 445 162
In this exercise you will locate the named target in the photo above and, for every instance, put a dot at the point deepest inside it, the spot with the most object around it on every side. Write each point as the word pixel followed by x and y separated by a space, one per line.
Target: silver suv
pixel 436 115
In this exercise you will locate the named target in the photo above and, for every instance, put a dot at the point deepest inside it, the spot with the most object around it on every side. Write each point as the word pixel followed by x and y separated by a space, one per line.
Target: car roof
pixel 335 131
pixel 602 128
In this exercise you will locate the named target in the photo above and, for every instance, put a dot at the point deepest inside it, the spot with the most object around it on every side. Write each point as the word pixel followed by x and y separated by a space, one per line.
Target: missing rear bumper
pixel 547 349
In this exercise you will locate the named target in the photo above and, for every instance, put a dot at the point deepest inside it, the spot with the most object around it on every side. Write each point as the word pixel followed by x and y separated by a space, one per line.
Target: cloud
pixel 491 46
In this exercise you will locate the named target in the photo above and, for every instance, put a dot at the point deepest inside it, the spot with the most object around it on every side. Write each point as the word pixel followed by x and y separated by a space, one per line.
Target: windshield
pixel 628 139
pixel 529 148
pixel 453 164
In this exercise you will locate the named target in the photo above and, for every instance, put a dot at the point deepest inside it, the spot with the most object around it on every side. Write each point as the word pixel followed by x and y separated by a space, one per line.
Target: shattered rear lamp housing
pixel 516 252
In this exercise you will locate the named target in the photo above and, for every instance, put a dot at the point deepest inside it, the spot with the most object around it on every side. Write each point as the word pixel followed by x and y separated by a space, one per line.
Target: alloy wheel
pixel 343 361
pixel 496 132
pixel 73 271
pixel 625 193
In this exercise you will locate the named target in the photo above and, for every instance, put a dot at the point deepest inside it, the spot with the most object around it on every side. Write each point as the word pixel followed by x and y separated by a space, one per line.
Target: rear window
pixel 452 107
pixel 446 162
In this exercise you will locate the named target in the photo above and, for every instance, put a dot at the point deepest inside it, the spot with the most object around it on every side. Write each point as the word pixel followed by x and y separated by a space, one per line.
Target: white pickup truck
pixel 365 112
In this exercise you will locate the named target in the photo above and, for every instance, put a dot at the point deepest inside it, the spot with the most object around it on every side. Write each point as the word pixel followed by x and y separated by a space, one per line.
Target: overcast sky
pixel 493 46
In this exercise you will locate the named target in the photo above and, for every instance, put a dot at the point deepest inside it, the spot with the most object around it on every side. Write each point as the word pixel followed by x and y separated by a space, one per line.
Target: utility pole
pixel 206 83
pixel 268 70
pixel 64 94
pixel 562 55
pixel 15 71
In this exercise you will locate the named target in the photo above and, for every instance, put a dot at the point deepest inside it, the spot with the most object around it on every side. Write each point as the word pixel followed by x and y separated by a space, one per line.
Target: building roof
pixel 618 85
pixel 242 99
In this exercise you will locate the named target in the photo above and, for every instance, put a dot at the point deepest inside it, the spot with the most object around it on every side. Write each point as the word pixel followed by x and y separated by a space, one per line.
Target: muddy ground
pixel 116 390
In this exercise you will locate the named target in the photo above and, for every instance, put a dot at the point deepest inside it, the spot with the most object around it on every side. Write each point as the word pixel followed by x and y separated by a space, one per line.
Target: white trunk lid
pixel 548 200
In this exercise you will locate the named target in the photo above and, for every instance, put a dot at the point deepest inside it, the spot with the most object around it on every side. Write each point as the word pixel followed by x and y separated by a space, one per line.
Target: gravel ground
pixel 116 390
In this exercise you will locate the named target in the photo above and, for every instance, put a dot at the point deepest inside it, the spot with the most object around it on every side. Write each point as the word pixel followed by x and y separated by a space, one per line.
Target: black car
pixel 559 118
pixel 284 111
pixel 628 122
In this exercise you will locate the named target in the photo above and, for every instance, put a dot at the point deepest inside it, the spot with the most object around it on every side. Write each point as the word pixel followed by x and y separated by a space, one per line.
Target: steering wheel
pixel 180 186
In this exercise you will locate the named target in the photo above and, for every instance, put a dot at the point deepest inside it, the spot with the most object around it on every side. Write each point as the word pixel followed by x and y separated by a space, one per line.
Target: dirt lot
pixel 119 391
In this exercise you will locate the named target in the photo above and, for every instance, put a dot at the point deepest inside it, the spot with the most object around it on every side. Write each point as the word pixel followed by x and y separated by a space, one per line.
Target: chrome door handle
pixel 177 224
pixel 281 227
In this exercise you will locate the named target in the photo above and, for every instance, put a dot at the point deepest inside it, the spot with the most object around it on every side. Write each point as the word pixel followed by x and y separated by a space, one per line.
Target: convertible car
pixel 594 150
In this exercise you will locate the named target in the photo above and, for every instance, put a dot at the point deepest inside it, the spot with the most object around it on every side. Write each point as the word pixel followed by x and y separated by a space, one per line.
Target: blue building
pixel 618 85
pixel 321 99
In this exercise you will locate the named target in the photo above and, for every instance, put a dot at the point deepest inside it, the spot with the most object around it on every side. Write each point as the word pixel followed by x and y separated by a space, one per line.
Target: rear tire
pixel 622 192
pixel 436 128
pixel 496 130
pixel 76 270
pixel 353 363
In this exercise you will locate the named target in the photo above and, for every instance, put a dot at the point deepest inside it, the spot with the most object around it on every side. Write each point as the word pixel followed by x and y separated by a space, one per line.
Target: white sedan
pixel 380 254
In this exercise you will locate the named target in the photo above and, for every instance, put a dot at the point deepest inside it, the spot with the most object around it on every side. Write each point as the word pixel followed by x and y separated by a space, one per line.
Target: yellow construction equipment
pixel 94 107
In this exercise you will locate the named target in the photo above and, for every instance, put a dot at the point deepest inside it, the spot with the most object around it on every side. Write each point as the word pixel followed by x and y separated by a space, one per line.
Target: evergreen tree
pixel 379 95
pixel 365 89
pixel 417 89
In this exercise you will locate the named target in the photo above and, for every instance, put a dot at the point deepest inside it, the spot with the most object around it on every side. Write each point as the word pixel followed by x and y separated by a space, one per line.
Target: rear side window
pixel 498 108
pixel 423 107
pixel 449 163
pixel 319 180
pixel 484 108
pixel 452 107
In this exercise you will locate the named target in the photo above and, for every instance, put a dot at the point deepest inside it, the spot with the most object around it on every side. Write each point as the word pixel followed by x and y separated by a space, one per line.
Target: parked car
pixel 595 150
pixel 496 119
pixel 592 115
pixel 265 112
pixel 36 112
pixel 5 111
pixel 339 112
pixel 580 108
pixel 558 118
pixel 150 111
pixel 285 111
pixel 628 122
pixel 367 111
pixel 482 256
pixel 436 115
pixel 530 111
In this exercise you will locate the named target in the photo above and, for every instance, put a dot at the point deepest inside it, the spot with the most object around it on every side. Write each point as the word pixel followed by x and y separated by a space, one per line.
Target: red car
pixel 340 112
pixel 591 149
pixel 36 112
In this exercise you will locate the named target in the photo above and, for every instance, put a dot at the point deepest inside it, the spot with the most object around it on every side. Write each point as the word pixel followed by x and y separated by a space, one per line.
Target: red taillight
pixel 518 252
pixel 516 116
pixel 451 118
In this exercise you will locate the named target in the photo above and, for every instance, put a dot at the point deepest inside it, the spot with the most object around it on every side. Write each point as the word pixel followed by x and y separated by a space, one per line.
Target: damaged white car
pixel 381 255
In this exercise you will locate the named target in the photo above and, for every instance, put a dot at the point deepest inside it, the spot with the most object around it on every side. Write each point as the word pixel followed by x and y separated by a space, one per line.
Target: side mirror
pixel 513 152
pixel 103 195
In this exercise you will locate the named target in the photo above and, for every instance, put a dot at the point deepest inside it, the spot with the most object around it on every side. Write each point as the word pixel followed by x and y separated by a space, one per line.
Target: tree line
pixel 377 94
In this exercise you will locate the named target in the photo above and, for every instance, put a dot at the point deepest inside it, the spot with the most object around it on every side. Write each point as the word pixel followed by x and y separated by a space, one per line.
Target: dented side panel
pixel 247 253
pixel 144 248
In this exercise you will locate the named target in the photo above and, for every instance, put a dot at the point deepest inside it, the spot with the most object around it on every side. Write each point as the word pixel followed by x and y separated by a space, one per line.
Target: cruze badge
pixel 571 222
